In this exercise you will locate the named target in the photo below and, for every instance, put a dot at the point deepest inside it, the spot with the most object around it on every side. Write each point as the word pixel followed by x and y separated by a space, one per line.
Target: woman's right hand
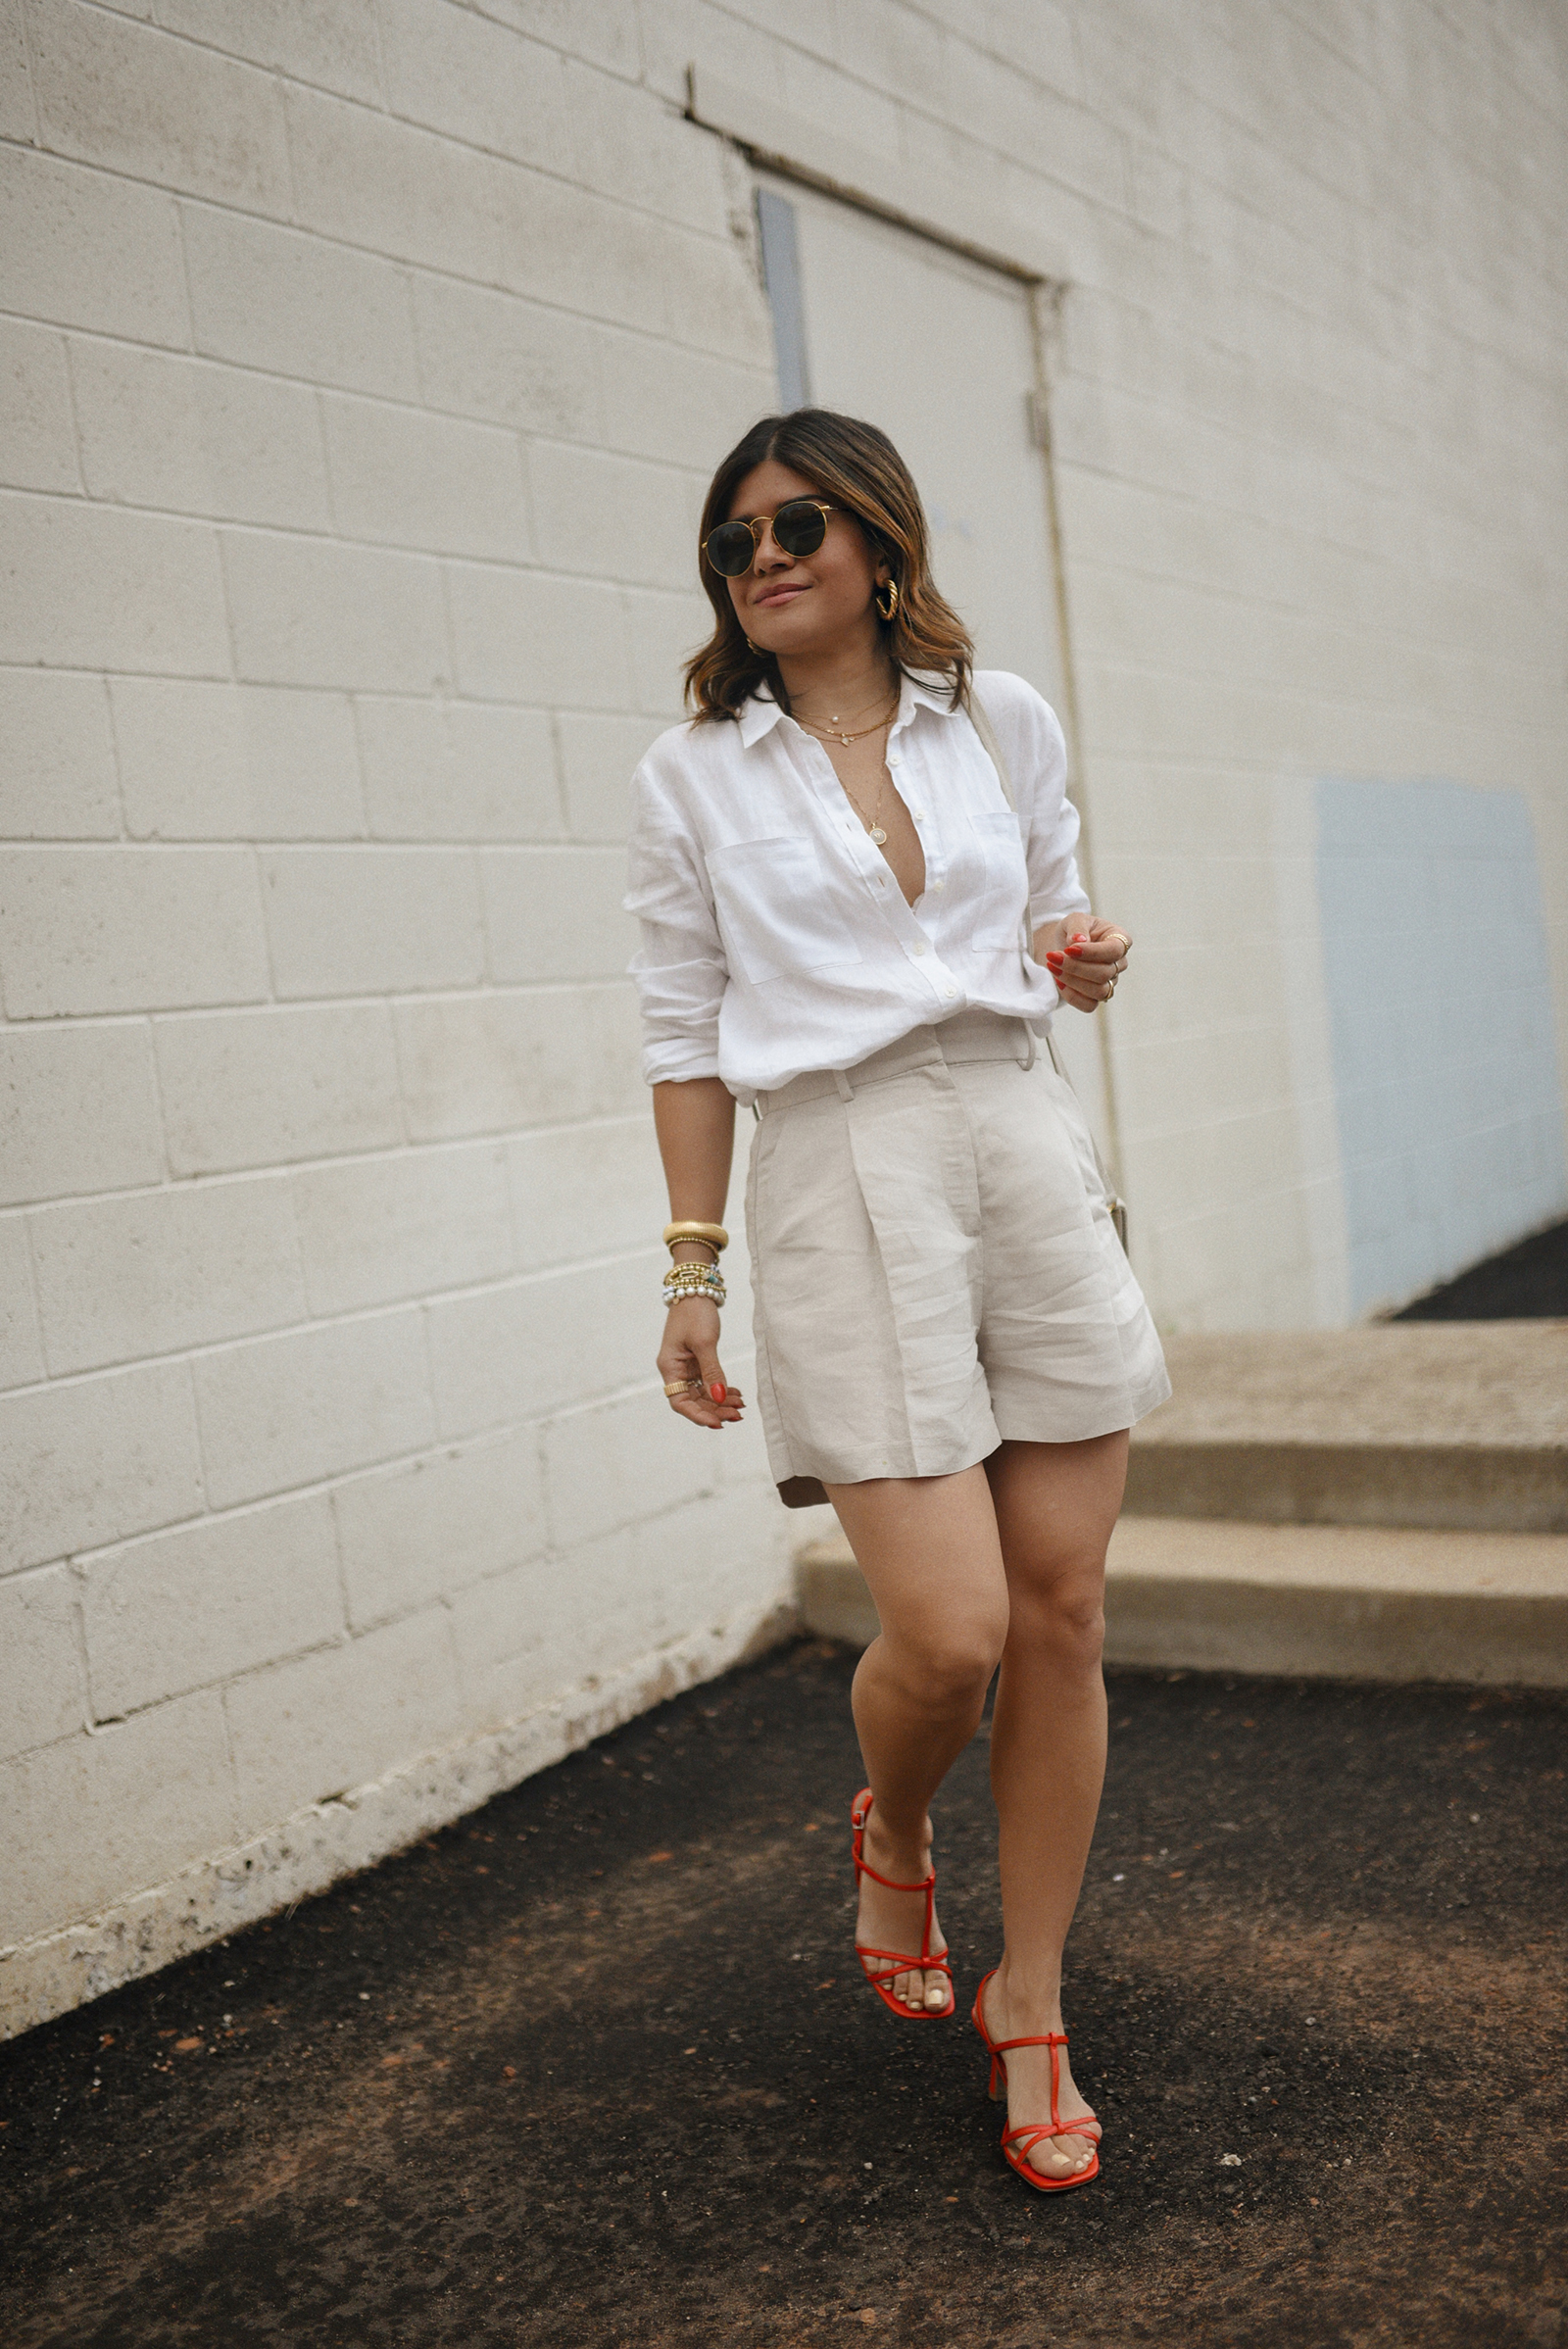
pixel 690 1355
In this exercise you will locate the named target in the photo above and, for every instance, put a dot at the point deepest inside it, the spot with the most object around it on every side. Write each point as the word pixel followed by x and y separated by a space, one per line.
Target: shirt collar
pixel 759 713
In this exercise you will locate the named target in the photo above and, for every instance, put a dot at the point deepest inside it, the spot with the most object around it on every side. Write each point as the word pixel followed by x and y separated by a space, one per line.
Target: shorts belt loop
pixel 846 1088
pixel 1026 1061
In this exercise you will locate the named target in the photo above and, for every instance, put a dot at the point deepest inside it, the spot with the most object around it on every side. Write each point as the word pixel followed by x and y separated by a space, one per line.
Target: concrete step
pixel 1311 1601
pixel 1444 1425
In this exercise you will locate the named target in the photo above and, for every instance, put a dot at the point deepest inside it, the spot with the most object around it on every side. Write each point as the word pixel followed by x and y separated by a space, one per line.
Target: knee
pixel 952 1666
pixel 1064 1620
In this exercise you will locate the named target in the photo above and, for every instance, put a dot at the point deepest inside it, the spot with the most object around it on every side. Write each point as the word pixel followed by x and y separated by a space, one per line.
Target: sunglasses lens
pixel 799 527
pixel 730 549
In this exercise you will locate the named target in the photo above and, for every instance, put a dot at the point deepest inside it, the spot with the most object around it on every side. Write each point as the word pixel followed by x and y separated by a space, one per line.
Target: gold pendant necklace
pixel 873 828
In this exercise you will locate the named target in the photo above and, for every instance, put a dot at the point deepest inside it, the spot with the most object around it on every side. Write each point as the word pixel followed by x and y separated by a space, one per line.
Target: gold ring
pixel 674 1387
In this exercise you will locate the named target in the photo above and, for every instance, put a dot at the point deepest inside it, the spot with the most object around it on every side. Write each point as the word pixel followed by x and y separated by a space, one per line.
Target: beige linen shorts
pixel 934 1266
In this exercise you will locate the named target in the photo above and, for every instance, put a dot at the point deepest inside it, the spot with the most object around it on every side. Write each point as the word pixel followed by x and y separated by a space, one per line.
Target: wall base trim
pixel 326 1840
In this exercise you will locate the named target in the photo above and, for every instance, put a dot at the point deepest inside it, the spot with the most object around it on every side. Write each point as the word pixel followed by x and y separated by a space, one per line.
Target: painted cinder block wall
pixel 361 366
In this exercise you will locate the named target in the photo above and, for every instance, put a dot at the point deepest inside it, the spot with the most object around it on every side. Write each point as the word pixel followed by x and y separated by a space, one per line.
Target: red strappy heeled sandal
pixel 929 1961
pixel 1016 2143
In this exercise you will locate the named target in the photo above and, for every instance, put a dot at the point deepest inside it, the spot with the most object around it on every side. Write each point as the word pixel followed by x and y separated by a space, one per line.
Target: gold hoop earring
pixel 888 608
pixel 750 648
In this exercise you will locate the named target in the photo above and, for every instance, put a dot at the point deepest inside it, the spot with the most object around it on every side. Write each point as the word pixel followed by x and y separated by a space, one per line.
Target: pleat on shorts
pixel 934 1266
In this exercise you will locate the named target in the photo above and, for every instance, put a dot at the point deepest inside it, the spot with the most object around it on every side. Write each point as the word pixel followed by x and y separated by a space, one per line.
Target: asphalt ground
pixel 1527 1281
pixel 596 2066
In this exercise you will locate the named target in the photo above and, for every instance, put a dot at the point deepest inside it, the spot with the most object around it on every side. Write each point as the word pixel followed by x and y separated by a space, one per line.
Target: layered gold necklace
pixel 834 726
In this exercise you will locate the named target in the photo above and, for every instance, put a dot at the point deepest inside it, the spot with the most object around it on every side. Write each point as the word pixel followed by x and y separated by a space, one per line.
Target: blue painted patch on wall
pixel 1446 1077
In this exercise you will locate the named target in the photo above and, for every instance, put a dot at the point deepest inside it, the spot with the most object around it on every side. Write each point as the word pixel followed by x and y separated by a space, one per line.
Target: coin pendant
pixel 878 835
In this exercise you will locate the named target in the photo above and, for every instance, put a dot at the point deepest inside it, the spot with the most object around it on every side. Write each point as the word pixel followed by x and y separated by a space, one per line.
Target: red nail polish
pixel 717 1393
pixel 1075 950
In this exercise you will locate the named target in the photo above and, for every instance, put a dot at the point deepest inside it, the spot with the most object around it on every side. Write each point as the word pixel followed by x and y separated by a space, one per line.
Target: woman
pixel 846 924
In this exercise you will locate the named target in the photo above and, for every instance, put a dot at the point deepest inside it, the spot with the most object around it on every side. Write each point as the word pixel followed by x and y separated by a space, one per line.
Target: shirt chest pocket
pixel 1004 895
pixel 775 909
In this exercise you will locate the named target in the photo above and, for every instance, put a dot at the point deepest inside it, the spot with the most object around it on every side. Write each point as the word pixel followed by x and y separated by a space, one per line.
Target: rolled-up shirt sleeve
pixel 680 971
pixel 1050 818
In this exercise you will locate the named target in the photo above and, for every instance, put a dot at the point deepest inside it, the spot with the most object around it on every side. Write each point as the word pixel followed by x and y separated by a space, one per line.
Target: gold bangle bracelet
pixel 714 1233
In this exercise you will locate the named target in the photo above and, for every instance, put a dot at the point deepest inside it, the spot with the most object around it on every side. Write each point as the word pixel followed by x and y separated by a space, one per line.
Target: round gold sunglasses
pixel 798 528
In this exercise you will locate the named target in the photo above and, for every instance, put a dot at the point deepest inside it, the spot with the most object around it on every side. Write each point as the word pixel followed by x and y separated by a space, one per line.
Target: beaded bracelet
pixel 693 1276
pixel 717 1297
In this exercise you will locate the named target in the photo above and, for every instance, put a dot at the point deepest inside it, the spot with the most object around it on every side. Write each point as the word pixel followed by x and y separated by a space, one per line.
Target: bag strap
pixel 978 719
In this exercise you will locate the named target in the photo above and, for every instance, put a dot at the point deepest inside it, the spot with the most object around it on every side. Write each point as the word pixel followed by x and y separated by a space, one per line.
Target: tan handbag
pixel 807 1492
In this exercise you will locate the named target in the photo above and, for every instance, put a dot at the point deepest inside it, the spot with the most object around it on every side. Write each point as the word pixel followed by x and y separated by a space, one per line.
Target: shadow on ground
pixel 595 2066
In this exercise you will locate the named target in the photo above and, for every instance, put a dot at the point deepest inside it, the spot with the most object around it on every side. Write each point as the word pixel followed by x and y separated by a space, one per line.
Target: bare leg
pixel 1056 1505
pixel 928 1548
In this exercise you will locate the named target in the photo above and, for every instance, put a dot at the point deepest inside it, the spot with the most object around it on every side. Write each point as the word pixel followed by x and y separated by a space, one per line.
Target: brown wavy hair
pixel 856 467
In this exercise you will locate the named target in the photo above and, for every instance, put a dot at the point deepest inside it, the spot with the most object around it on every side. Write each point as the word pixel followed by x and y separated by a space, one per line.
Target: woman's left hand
pixel 1089 961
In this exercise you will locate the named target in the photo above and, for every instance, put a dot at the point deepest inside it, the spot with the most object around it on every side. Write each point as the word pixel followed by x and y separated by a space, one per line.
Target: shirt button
pixel 951 993
pixel 939 885
pixel 920 945
pixel 918 813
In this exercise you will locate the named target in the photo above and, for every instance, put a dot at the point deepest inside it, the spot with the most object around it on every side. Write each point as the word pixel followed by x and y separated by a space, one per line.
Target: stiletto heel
pixel 929 1961
pixel 1018 2143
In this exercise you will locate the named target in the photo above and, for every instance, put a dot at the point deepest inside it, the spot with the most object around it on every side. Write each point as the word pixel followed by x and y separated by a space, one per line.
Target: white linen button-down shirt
pixel 775 938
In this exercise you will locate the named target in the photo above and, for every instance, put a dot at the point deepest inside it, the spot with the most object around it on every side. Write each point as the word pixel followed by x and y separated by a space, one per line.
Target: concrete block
pixel 84 249
pixel 373 1230
pixel 544 224
pixel 20 1346
pixel 629 145
pixel 527 636
pixel 42 1696
pixel 129 99
pixel 492 355
pixel 371 920
pixel 431 1528
pixel 405 478
pixel 613 515
pixel 78 1111
pixel 713 301
pixel 600 29
pixel 481 1065
pixel 191 437
pixel 84 587
pixel 555 913
pixel 113 1811
pixel 678 407
pixel 128 929
pixel 16 117
pixel 586 1190
pixel 458 770
pixel 599 756
pixel 156 1271
pixel 38 444
pixel 279 1412
pixel 191 1607
pixel 478 81
pixel 254 1088
pixel 97 1459
pixel 662 632
pixel 331 44
pixel 542 1345
pixel 201 761
pixel 511 1639
pixel 616 1463
pixel 369 181
pixel 310 613
pixel 60 757
pixel 271 298
pixel 322 1725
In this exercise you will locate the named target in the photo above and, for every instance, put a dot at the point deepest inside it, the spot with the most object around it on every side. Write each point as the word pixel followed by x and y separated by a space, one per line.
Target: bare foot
pixel 896 1920
pixel 1029 2079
